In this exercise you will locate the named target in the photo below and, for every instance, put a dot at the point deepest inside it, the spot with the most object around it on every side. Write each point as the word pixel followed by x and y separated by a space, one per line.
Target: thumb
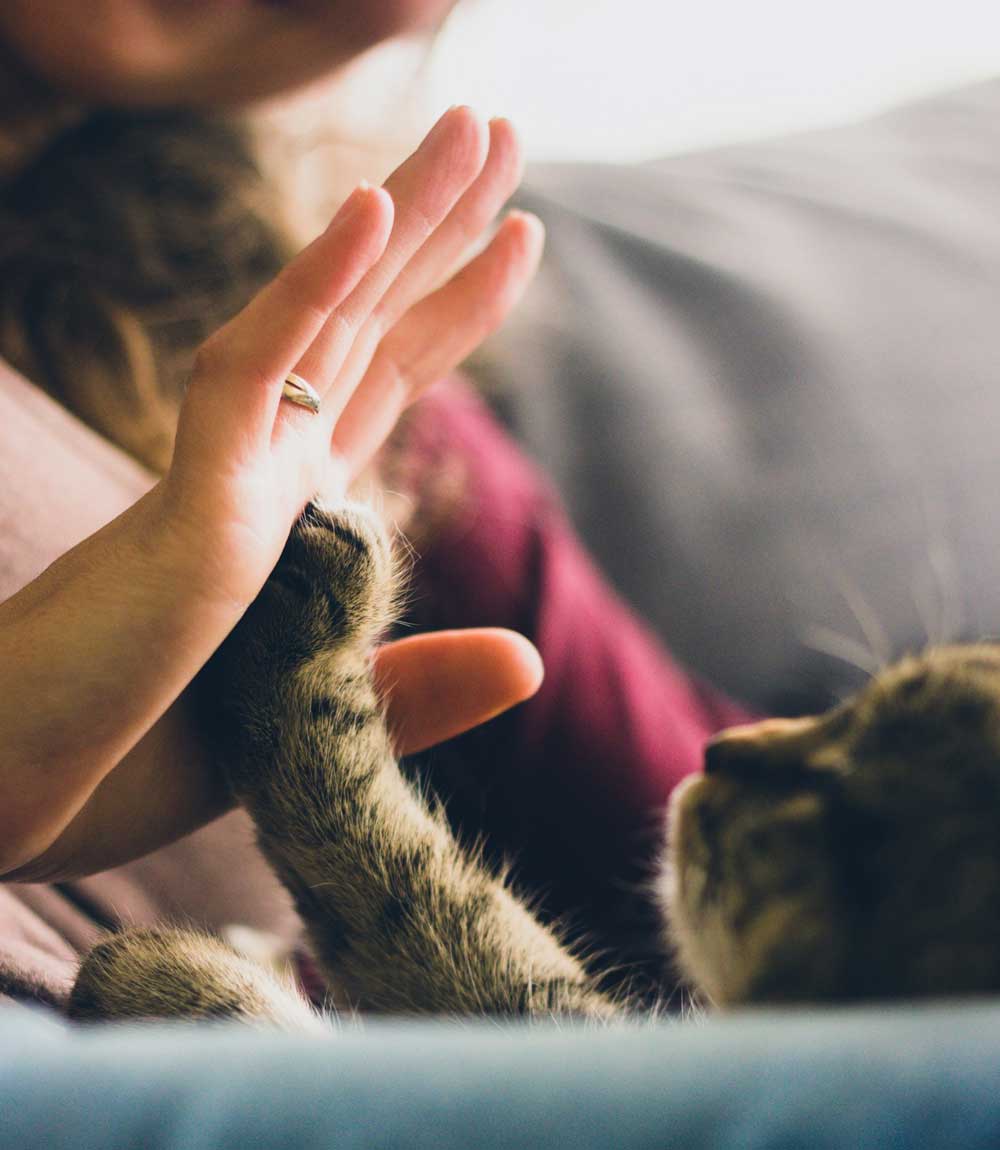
pixel 438 685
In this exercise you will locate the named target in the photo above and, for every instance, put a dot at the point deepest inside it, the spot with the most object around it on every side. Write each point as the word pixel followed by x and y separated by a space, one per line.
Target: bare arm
pixel 97 762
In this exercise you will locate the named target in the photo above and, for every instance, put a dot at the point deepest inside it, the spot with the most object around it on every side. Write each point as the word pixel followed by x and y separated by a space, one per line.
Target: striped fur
pixel 401 919
pixel 851 856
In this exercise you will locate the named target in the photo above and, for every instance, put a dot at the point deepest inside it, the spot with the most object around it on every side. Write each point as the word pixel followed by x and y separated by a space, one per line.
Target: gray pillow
pixel 766 380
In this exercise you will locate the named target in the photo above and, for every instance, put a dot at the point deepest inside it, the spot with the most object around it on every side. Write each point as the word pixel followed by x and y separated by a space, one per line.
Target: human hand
pixel 362 315
pixel 111 634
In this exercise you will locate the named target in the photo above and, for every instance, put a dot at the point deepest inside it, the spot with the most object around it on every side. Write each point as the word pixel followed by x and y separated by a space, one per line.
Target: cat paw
pixel 334 583
pixel 328 599
pixel 168 974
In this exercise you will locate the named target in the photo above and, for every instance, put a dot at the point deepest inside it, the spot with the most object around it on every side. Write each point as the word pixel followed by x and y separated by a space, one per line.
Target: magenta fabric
pixel 572 784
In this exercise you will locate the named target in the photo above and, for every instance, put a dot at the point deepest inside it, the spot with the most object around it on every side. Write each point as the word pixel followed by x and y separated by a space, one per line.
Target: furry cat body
pixel 843 857
pixel 400 918
pixel 850 856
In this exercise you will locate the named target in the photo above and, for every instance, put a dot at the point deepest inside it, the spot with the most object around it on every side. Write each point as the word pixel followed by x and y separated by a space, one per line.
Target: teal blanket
pixel 925 1077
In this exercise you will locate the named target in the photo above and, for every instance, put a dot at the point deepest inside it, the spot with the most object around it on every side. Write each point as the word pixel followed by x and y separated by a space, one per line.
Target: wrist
pixel 109 636
pixel 212 566
pixel 224 543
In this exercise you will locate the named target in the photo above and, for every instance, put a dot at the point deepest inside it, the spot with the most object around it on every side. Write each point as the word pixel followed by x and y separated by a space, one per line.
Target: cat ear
pixel 758 747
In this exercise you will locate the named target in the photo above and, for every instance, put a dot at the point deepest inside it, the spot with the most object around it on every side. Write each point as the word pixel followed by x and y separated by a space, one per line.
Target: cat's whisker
pixel 403 496
pixel 922 601
pixel 407 545
pixel 875 634
pixel 829 642
pixel 942 564
pixel 943 571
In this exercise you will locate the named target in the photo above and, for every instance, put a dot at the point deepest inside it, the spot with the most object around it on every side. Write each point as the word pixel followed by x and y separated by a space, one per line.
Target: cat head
pixel 851 855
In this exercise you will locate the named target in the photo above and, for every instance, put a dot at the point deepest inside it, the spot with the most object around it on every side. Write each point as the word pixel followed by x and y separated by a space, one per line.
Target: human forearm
pixel 92 653
pixel 165 788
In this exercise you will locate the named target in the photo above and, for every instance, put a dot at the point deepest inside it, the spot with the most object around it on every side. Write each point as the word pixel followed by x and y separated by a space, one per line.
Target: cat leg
pixel 401 918
pixel 175 974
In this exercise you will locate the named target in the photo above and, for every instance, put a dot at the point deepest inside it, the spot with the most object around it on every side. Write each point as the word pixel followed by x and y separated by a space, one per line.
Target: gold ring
pixel 300 392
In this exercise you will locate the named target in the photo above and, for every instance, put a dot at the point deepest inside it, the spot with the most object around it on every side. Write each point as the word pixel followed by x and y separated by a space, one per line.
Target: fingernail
pixel 439 124
pixel 357 197
pixel 352 205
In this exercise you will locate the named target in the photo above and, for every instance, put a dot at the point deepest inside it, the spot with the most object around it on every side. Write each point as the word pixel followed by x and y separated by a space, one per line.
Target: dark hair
pixel 125 240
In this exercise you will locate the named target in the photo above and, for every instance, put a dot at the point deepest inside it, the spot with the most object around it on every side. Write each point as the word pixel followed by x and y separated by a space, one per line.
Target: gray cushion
pixel 767 382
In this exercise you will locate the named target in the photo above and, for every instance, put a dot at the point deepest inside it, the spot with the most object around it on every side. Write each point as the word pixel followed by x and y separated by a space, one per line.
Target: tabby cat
pixel 842 857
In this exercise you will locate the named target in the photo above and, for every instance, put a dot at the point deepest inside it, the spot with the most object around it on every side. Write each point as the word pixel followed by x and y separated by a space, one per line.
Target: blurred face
pixel 152 52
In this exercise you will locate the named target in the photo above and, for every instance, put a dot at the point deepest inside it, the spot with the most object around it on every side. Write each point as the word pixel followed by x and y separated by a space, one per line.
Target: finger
pixel 435 336
pixel 438 685
pixel 237 381
pixel 424 190
pixel 436 260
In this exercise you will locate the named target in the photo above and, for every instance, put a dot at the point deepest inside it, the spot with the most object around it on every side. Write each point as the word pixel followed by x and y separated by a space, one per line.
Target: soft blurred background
pixel 628 79
pixel 623 80
pixel 788 355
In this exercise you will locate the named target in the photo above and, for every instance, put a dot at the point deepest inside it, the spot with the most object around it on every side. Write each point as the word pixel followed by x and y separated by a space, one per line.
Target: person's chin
pixel 369 24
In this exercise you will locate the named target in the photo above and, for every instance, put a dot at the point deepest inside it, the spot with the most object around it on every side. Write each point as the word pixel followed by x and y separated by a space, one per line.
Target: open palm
pixel 362 314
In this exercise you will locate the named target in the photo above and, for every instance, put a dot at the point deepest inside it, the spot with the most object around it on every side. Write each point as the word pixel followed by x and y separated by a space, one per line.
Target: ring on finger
pixel 300 392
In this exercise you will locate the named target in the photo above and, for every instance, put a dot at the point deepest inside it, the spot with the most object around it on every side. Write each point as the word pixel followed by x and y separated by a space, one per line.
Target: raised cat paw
pixel 303 645
pixel 336 575
pixel 332 591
